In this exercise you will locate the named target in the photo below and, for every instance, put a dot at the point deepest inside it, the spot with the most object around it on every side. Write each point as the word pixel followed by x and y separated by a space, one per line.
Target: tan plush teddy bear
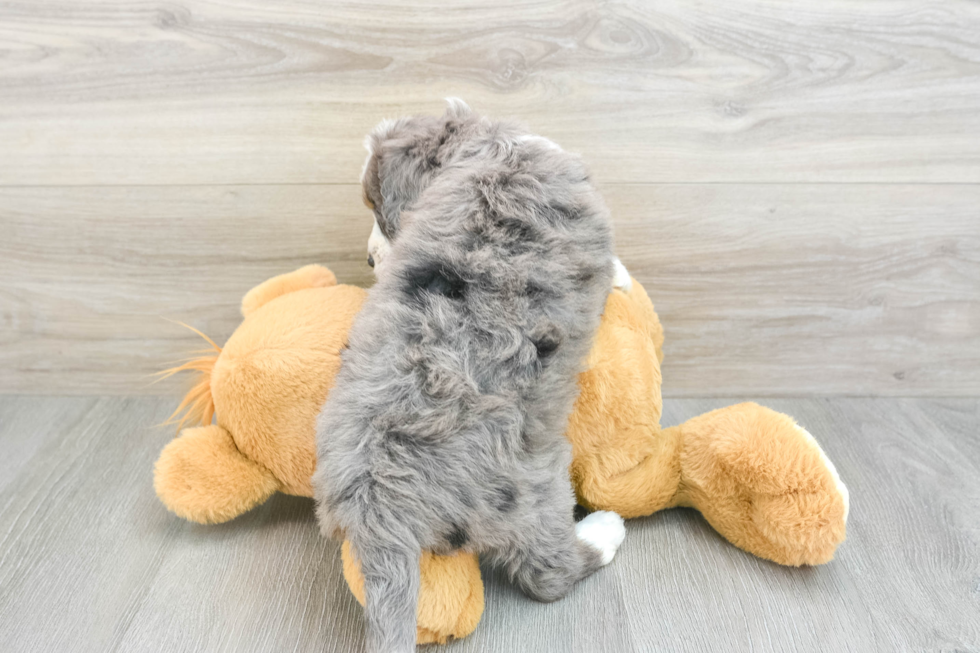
pixel 756 476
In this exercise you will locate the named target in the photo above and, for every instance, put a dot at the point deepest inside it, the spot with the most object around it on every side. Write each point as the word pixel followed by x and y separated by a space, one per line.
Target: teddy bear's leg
pixel 310 276
pixel 764 483
pixel 450 594
pixel 201 476
pixel 635 475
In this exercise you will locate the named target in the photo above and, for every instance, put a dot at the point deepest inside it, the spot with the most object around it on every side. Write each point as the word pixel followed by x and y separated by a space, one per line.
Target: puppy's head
pixel 404 156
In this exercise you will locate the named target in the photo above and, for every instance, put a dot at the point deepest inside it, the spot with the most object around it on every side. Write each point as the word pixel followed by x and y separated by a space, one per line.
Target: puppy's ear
pixel 456 108
pixel 403 157
pixel 374 140
pixel 371 175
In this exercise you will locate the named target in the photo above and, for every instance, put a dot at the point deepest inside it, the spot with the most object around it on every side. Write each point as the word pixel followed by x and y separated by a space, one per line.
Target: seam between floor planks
pixel 268 581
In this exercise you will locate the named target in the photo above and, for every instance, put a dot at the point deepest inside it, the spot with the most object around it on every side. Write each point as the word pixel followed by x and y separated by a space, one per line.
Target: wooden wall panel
pixel 250 91
pixel 797 182
pixel 810 289
pixel 765 289
pixel 91 275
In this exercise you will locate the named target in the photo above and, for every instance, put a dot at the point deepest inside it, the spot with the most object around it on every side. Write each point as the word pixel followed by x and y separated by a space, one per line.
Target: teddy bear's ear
pixel 309 276
pixel 203 477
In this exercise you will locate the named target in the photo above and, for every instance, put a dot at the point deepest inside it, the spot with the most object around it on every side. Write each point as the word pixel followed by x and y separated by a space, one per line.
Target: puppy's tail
pixel 389 558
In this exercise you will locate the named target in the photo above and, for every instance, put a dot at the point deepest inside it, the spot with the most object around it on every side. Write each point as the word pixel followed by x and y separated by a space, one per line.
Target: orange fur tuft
pixel 198 404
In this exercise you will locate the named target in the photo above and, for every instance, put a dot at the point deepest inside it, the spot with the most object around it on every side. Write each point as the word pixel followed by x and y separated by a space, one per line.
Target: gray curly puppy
pixel 445 429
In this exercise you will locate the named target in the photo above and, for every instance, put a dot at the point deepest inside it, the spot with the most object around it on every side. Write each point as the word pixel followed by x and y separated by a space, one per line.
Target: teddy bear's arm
pixel 203 477
pixel 310 276
pixel 450 593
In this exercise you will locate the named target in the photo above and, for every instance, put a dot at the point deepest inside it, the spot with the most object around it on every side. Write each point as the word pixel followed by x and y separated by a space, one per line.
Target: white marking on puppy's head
pixel 378 243
pixel 378 246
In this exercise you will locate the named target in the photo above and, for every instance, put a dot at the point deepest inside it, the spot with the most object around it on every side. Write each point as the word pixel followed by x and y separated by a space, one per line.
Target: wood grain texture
pixel 797 184
pixel 92 275
pixel 246 91
pixel 90 561
pixel 770 289
pixel 809 289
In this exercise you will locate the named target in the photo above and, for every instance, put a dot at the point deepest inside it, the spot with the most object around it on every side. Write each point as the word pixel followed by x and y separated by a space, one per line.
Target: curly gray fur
pixel 445 429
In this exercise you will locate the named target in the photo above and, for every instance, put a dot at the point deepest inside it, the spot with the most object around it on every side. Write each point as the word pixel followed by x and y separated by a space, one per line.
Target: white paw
pixel 603 531
pixel 378 246
pixel 621 276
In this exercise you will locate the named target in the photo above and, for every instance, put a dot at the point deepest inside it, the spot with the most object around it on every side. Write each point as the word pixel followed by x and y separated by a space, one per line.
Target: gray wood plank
pixel 90 561
pixel 133 92
pixel 905 579
pixel 765 289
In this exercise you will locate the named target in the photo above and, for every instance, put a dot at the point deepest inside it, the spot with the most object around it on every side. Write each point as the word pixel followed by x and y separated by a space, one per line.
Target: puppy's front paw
pixel 621 276
pixel 603 531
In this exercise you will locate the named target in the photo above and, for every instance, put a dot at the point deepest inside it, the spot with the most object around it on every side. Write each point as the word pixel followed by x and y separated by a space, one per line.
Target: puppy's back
pixel 461 370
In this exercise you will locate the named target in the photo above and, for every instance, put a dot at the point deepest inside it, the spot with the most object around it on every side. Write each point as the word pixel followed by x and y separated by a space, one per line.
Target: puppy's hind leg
pixel 560 553
pixel 603 531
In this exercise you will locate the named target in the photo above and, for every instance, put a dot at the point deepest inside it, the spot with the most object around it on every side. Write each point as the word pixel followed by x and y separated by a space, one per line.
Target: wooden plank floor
pixel 91 561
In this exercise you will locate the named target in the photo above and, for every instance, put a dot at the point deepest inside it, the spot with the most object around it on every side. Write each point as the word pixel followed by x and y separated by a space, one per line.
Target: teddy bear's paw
pixel 603 531
pixel 841 488
pixel 621 276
